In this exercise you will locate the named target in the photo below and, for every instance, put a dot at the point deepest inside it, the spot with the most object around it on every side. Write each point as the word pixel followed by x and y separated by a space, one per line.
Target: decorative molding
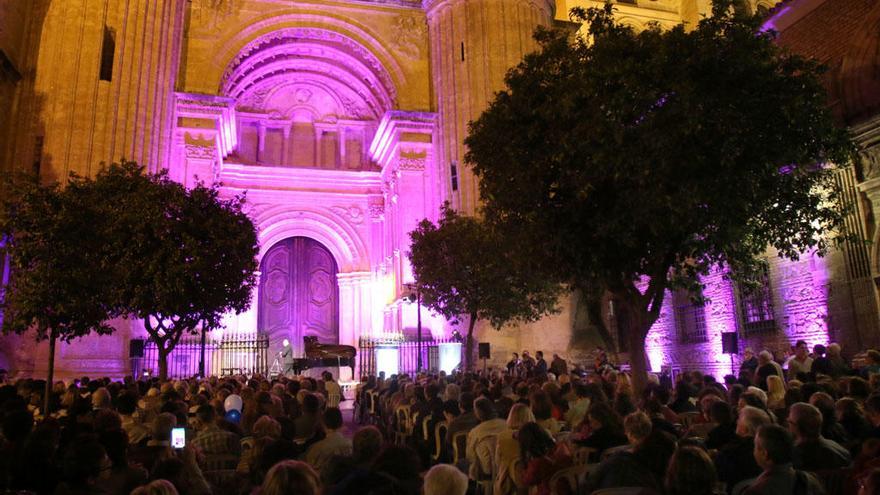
pixel 293 36
pixel 376 209
pixel 352 213
pixel 413 163
pixel 202 152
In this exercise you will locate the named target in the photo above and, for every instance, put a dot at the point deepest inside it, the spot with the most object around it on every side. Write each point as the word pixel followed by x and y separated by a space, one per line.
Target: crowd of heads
pixel 812 421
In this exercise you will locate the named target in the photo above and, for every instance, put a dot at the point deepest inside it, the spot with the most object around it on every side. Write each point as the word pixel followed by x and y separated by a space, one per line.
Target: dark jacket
pixel 602 439
pixel 820 454
pixel 736 462
pixel 785 480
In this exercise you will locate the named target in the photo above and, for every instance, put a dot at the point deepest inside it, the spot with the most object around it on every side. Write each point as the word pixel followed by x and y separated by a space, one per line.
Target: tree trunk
pixel 637 359
pixel 637 326
pixel 202 355
pixel 163 360
pixel 51 375
pixel 469 344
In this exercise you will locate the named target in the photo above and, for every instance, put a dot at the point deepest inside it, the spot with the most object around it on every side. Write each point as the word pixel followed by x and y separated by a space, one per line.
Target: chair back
pixel 439 437
pixel 459 444
pixel 426 435
pixel 581 455
pixel 404 425
pixel 571 476
pixel 700 430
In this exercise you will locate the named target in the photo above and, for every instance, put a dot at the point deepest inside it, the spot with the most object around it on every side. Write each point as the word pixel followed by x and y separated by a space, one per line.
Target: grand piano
pixel 324 356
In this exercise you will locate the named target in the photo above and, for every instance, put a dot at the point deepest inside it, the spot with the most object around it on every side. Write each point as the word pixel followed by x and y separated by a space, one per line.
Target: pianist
pixel 287 356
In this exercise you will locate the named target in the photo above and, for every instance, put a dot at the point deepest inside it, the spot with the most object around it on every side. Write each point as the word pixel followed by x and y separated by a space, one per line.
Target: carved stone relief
pixel 352 213
pixel 410 35
pixel 210 14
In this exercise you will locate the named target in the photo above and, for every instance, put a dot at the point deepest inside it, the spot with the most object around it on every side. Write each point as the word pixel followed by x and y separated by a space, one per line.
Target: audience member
pixel 444 479
pixel 774 449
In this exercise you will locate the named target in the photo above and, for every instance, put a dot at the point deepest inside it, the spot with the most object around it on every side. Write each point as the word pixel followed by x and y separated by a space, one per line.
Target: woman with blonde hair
pixel 507 448
pixel 291 477
pixel 775 393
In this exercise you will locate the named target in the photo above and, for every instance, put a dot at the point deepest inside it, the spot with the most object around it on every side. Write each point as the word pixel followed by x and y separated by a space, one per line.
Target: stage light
pixel 387 360
pixel 450 356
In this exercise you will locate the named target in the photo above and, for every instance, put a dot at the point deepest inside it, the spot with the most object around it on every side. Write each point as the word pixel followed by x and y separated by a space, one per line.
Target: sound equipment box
pixel 729 344
pixel 484 350
pixel 136 348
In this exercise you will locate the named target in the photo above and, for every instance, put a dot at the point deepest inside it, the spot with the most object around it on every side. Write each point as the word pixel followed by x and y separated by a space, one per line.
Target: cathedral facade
pixel 343 122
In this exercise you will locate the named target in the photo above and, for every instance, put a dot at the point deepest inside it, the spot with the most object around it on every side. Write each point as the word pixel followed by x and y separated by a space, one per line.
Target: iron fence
pixel 232 354
pixel 407 354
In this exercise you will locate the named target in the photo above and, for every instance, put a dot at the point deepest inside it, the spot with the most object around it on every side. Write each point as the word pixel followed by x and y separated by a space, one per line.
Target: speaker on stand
pixel 484 353
pixel 136 355
pixel 730 346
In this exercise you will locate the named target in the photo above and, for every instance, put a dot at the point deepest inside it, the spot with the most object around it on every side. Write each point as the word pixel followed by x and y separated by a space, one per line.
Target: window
pixel 690 318
pixel 453 175
pixel 756 306
pixel 38 156
pixel 108 49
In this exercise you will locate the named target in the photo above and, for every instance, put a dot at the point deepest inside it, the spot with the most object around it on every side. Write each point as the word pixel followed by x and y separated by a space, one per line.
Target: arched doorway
pixel 299 294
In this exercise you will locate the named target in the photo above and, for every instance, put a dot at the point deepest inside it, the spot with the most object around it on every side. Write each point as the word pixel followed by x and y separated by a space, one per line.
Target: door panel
pixel 299 295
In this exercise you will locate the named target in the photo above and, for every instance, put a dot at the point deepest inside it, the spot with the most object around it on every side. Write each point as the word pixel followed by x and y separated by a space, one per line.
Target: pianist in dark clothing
pixel 287 356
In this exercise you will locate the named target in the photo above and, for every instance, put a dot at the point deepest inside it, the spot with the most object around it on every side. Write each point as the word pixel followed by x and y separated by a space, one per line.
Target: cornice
pixel 430 5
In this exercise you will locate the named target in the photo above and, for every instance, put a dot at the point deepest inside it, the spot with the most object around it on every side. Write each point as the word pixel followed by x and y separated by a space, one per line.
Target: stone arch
pixel 344 28
pixel 632 23
pixel 345 245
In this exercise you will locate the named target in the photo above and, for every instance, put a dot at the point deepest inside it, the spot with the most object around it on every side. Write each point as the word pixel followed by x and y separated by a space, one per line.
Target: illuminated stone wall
pixel 342 119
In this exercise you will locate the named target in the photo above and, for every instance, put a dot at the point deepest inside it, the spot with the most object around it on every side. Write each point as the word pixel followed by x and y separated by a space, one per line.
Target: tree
pixel 640 161
pixel 188 256
pixel 60 284
pixel 462 268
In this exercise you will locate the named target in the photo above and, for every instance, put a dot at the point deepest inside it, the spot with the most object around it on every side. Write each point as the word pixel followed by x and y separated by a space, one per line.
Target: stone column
pixel 261 142
pixel 285 145
pixel 473 44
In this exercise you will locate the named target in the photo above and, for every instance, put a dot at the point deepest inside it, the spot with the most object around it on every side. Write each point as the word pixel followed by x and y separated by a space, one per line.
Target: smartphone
pixel 178 438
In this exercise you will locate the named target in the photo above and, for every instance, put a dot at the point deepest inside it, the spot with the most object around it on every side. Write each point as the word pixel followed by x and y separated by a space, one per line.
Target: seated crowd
pixel 807 426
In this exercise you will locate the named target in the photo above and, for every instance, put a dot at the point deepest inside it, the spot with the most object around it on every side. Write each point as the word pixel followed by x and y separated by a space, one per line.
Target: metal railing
pixel 232 354
pixel 408 354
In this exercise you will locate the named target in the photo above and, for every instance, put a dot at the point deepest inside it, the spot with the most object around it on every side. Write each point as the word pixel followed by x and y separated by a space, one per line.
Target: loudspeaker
pixel 136 348
pixel 484 350
pixel 729 344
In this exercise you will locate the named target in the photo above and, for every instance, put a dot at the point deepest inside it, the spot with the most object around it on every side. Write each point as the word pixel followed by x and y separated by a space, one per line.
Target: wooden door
pixel 299 295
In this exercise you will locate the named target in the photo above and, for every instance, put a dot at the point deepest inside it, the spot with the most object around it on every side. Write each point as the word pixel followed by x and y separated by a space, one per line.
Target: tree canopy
pixel 125 243
pixel 463 268
pixel 187 256
pixel 61 283
pixel 640 161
